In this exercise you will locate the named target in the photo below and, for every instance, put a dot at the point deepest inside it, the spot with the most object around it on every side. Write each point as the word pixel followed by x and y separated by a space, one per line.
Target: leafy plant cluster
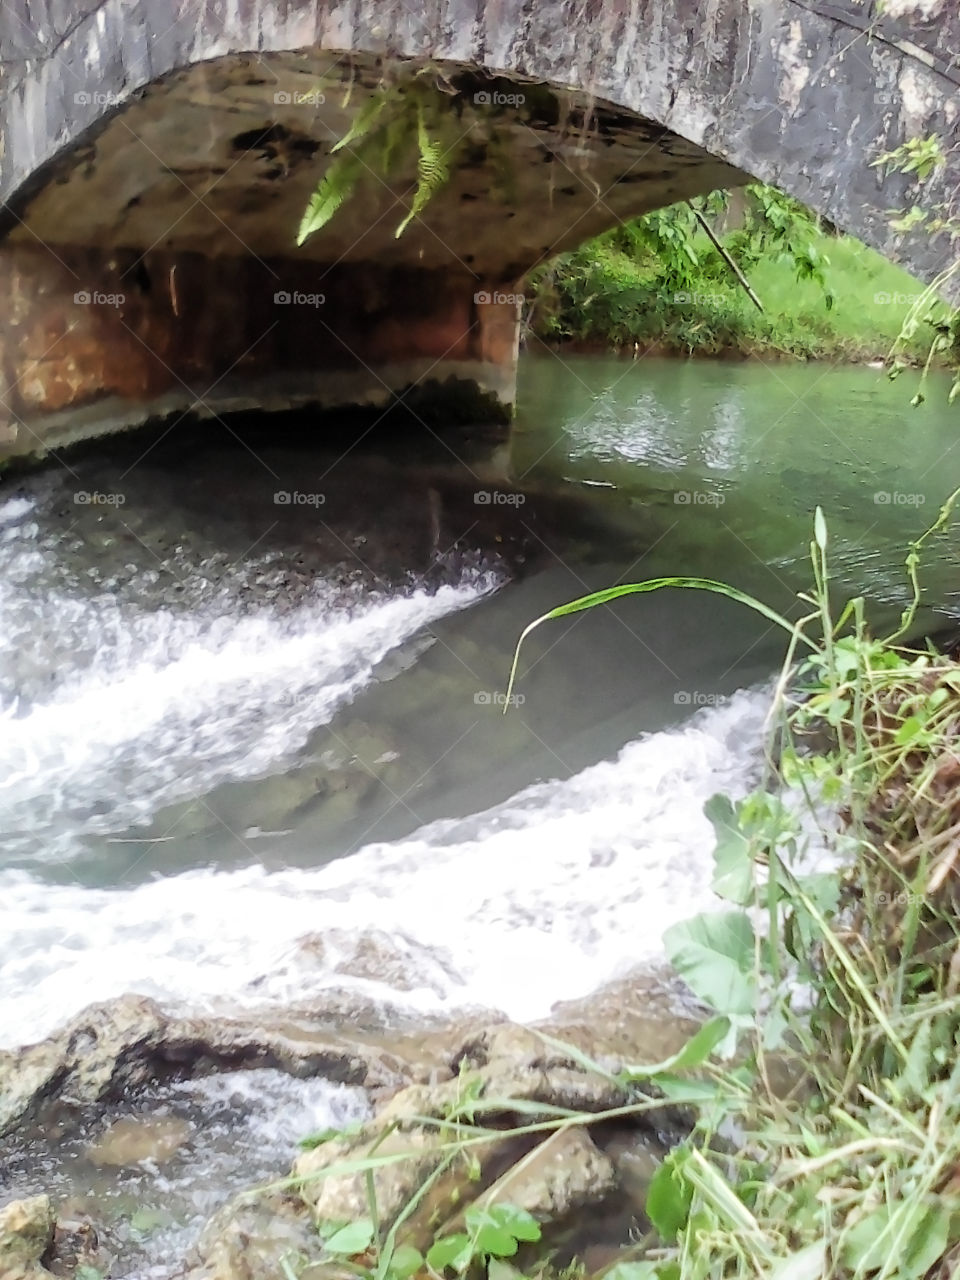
pixel 839 983
pixel 921 158
pixel 399 122
pixel 772 224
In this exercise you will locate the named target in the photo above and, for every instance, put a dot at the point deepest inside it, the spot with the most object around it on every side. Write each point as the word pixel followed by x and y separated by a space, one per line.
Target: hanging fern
pixel 363 122
pixel 340 181
pixel 432 172
pixel 383 133
pixel 336 187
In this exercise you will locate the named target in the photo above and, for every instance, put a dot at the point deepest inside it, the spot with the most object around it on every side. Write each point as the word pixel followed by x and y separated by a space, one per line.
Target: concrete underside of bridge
pixel 156 271
pixel 148 260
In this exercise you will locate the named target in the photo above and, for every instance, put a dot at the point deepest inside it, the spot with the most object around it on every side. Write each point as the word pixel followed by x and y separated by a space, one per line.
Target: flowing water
pixel 251 683
pixel 230 723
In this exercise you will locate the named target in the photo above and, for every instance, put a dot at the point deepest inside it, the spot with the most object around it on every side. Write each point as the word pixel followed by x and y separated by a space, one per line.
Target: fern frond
pixel 397 134
pixel 362 122
pixel 432 172
pixel 336 186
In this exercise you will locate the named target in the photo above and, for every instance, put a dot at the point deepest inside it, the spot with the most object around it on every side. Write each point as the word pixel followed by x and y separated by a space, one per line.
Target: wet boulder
pixel 121 1045
pixel 26 1232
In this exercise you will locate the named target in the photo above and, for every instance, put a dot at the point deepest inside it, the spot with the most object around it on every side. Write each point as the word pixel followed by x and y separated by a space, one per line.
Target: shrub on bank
pixel 615 295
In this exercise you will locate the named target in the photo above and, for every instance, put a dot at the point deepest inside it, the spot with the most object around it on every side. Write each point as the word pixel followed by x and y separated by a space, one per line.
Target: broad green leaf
pixel 453 1251
pixel 690 1092
pixel 713 953
pixel 497 1228
pixel 908 731
pixel 838 710
pixel 405 1262
pixel 512 1218
pixel 928 1243
pixel 775 1026
pixel 669 1197
pixel 355 1237
pixel 917 1233
pixel 733 874
pixel 823 890
pixel 496 1242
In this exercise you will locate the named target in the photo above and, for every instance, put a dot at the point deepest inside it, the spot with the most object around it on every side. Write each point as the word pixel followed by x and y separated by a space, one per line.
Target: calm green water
pixel 727 461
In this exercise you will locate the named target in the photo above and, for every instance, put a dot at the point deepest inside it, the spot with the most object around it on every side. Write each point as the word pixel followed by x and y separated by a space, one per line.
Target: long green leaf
pixel 693 1054
pixel 597 598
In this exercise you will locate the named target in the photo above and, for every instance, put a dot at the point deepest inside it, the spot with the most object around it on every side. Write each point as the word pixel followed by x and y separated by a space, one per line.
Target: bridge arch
pixel 156 156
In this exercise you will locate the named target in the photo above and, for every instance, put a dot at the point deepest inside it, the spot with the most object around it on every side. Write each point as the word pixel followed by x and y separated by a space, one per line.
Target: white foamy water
pixel 171 704
pixel 543 897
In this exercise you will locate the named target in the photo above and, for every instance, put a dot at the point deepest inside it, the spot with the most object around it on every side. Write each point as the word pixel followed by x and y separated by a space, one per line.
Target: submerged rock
pixel 136 1139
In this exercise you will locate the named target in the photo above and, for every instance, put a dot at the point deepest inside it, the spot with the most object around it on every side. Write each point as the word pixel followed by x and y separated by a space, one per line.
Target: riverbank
pixel 601 297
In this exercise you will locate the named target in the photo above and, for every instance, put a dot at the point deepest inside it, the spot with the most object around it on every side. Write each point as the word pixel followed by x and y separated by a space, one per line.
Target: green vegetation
pixel 398 121
pixel 825 1088
pixel 836 968
pixel 824 296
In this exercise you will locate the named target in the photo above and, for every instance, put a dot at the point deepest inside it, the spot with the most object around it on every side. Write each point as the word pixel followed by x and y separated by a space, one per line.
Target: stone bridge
pixel 156 156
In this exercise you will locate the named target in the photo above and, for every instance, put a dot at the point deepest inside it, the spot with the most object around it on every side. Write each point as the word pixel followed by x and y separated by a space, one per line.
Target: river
pixel 230 723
